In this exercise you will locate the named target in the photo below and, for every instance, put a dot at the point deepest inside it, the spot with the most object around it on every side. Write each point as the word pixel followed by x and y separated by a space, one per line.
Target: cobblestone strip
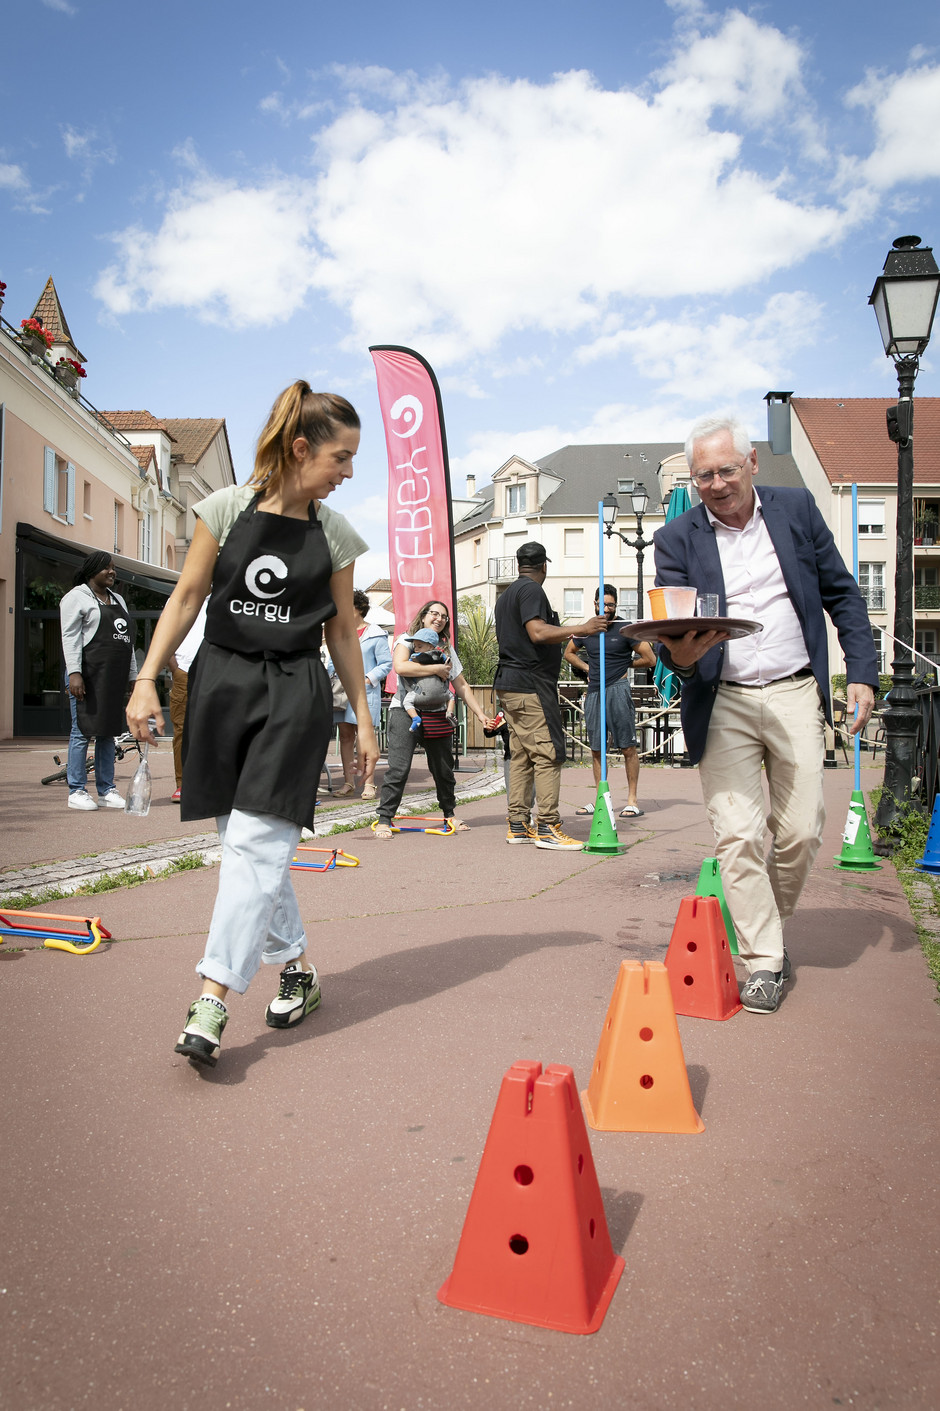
pixel 150 861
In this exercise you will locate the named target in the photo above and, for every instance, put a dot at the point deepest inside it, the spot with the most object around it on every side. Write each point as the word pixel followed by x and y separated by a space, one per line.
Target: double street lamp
pixel 905 301
pixel 639 499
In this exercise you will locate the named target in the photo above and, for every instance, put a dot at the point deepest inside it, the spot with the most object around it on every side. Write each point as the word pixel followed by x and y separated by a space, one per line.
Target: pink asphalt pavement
pixel 272 1233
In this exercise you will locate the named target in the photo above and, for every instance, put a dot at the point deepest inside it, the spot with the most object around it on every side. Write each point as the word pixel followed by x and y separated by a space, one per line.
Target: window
pixel 871 581
pixel 878 637
pixel 574 543
pixel 146 535
pixel 118 527
pixel 573 604
pixel 625 487
pixel 871 519
pixel 86 499
pixel 925 641
pixel 515 499
pixel 58 486
pixel 626 605
pixel 476 552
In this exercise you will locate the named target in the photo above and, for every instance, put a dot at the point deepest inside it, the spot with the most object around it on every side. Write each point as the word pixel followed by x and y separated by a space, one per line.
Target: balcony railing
pixel 874 599
pixel 502 570
pixel 927 598
pixel 45 366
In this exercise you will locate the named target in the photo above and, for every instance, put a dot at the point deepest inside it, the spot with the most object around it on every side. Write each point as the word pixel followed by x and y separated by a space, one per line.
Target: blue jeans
pixel 78 752
pixel 255 917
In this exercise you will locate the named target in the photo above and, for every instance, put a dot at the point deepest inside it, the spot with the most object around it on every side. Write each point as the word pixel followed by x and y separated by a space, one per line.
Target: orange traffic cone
pixel 535 1246
pixel 639 1081
pixel 698 960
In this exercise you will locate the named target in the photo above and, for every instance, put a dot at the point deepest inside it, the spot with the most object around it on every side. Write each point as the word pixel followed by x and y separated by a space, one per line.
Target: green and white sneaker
pixel 297 994
pixel 201 1038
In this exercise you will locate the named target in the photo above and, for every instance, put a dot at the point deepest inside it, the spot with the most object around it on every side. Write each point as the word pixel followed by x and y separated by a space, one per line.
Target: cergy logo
pixel 261 577
pixel 120 630
pixel 414 538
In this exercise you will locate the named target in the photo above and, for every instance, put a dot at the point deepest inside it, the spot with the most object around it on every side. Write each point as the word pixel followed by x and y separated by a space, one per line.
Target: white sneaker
pixel 111 800
pixel 82 799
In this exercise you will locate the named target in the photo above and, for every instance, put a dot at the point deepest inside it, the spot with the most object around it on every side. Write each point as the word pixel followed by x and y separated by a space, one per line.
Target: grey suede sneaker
pixel 761 994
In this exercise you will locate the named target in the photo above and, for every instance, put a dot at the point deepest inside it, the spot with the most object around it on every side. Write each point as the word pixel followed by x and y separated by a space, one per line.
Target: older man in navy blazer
pixel 761 702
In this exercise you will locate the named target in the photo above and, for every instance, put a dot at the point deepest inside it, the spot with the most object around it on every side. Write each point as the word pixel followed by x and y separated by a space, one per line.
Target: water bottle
pixel 138 795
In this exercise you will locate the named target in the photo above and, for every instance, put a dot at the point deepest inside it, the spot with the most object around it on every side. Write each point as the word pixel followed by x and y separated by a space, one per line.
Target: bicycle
pixel 123 745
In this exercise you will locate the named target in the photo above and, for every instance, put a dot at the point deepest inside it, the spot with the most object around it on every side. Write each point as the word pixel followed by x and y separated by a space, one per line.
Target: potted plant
pixel 68 371
pixel 34 337
pixel 3 290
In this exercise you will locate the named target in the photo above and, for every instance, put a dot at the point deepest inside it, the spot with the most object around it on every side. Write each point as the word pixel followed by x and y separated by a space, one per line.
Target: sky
pixel 597 221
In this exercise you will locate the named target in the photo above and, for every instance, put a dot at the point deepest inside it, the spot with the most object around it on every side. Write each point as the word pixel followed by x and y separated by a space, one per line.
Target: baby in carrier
pixel 428 693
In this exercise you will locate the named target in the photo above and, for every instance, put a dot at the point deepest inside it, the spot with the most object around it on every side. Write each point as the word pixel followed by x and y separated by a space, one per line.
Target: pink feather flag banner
pixel 420 515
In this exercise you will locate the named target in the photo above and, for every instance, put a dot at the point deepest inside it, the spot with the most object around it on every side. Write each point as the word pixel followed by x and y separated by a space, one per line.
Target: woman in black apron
pixel 99 663
pixel 259 717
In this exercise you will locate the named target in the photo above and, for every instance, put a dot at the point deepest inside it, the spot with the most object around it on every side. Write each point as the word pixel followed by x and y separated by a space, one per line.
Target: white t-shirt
pixel 455 668
pixel 220 510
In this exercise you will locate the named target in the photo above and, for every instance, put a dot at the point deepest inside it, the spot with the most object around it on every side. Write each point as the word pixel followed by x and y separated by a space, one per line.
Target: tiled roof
pixel 850 438
pixel 49 310
pixel 136 421
pixel 381 585
pixel 193 435
pixel 146 456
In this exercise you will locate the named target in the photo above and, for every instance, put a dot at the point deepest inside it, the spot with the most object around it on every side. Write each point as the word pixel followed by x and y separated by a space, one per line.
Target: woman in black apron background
pixel 259 716
pixel 99 663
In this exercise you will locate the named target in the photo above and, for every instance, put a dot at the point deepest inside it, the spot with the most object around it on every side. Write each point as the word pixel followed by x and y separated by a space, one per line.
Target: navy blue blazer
pixel 686 555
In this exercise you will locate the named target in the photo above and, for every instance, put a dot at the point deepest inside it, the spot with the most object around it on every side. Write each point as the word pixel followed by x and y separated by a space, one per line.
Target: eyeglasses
pixel 728 473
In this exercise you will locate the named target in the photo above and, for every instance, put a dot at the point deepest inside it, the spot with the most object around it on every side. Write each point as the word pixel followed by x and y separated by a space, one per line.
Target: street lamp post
pixel 639 499
pixel 905 301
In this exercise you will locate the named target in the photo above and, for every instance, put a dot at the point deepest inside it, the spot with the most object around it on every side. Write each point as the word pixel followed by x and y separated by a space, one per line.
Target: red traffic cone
pixel 535 1246
pixel 701 974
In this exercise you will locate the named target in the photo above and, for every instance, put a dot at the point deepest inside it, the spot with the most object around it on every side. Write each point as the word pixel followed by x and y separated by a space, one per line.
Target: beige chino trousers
pixel 781 728
pixel 531 758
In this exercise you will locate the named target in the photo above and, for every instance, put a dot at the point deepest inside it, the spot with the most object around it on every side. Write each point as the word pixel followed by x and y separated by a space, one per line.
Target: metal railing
pixel 926 597
pixel 928 698
pixel 874 599
pixel 502 570
pixel 76 396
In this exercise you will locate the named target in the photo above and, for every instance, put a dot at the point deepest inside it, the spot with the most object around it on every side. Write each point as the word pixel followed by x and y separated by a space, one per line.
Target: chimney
pixel 471 486
pixel 778 421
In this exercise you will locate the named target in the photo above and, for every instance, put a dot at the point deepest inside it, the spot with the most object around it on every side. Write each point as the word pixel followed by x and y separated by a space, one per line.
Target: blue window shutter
pixel 48 479
pixel 70 503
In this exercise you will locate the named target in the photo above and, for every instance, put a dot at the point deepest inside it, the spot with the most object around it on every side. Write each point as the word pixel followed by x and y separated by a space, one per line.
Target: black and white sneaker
pixel 297 995
pixel 761 994
pixel 201 1038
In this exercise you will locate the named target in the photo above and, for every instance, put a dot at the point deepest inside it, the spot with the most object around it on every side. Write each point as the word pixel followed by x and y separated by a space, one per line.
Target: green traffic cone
pixel 857 853
pixel 709 885
pixel 603 835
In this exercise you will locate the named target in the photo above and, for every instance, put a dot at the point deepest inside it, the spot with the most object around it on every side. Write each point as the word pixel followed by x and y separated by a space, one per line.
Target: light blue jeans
pixel 78 753
pixel 256 917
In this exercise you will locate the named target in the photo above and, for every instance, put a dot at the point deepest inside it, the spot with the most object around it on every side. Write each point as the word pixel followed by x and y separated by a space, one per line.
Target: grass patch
pixel 109 882
pixel 921 889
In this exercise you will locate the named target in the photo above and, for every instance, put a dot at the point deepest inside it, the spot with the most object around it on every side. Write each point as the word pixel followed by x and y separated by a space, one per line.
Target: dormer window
pixel 515 499
pixel 625 487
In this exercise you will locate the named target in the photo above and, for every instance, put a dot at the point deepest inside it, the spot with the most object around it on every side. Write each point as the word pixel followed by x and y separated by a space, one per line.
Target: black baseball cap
pixel 531 555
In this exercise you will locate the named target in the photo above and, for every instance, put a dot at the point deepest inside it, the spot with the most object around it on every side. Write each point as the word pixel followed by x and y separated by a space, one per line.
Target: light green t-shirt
pixel 220 510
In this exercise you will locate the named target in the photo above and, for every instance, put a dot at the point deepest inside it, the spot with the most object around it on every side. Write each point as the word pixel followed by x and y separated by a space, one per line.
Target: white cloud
pixel 62 6
pixel 12 177
pixel 235 255
pixel 715 356
pixel 454 217
pixel 901 107
pixel 87 150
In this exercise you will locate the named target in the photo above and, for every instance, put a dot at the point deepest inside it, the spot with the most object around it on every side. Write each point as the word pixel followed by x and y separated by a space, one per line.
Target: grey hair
pixel 708 426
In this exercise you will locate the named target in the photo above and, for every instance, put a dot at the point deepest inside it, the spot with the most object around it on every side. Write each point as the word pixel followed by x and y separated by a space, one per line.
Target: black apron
pixel 106 663
pixel 259 714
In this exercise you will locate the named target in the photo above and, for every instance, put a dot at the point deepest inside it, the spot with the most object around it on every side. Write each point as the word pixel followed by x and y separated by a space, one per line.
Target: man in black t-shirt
pixel 530 641
pixel 619 655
